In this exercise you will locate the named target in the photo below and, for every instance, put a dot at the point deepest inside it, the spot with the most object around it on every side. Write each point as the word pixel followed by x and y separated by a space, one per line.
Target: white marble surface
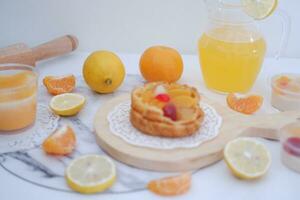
pixel 29 162
pixel 21 181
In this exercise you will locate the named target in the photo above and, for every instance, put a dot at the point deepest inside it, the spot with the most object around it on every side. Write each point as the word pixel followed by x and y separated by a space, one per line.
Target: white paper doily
pixel 120 125
pixel 46 122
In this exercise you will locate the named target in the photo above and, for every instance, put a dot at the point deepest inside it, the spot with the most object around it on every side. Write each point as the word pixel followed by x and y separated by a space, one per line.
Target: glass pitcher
pixel 232 49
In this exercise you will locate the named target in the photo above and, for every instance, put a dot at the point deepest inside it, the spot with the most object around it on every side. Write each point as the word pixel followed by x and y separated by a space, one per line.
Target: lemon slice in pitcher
pixel 91 173
pixel 259 9
pixel 247 158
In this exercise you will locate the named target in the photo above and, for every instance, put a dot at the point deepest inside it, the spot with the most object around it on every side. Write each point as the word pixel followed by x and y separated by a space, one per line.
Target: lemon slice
pixel 91 173
pixel 247 158
pixel 67 104
pixel 259 9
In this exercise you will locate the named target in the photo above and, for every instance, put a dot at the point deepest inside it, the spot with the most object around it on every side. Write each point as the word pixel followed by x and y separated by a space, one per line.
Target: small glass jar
pixel 290 145
pixel 18 96
pixel 286 92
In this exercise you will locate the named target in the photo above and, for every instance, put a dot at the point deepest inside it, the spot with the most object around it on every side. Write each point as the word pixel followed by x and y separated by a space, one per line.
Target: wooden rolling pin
pixel 22 54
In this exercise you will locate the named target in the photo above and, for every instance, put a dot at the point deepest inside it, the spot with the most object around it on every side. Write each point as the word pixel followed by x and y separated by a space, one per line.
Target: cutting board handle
pixel 56 47
pixel 267 126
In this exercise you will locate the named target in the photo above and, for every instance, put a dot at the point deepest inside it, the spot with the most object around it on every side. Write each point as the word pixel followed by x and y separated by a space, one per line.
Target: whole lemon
pixel 103 71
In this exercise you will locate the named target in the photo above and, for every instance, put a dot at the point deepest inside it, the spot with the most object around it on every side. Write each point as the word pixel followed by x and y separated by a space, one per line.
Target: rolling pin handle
pixel 56 47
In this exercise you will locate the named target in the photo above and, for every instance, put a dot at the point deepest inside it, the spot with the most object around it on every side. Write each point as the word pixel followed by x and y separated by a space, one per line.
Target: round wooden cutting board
pixel 182 159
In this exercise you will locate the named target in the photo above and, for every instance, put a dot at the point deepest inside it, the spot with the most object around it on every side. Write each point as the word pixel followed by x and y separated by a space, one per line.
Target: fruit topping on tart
pixel 288 83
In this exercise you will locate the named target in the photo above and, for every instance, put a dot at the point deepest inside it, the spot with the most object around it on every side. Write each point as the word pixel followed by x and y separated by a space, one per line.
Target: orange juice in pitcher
pixel 232 49
pixel 231 64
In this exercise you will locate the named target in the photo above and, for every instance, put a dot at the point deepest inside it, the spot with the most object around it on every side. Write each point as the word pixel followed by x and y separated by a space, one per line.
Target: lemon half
pixel 91 173
pixel 247 158
pixel 67 104
pixel 259 9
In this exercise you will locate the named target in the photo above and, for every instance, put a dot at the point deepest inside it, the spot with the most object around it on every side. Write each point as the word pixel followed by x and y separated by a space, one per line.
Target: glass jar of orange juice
pixel 232 49
pixel 18 96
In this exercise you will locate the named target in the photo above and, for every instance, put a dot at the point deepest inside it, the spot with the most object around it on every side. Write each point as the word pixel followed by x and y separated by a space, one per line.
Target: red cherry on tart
pixel 170 111
pixel 292 146
pixel 163 97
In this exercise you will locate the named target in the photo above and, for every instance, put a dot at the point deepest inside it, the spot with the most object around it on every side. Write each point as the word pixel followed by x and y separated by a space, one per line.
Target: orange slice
pixel 184 101
pixel 61 142
pixel 247 105
pixel 170 186
pixel 59 84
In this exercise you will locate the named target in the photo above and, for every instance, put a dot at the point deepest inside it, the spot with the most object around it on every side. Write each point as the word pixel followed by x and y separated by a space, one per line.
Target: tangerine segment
pixel 61 142
pixel 169 186
pixel 247 105
pixel 59 84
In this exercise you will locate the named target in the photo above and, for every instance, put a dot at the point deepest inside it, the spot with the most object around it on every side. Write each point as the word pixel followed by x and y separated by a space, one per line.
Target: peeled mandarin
pixel 246 105
pixel 59 84
pixel 61 142
pixel 171 186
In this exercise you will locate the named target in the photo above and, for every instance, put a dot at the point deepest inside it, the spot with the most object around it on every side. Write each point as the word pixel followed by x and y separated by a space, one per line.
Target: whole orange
pixel 161 63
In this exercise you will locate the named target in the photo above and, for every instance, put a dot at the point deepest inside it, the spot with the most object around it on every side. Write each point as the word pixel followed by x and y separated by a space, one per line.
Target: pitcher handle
pixel 285 31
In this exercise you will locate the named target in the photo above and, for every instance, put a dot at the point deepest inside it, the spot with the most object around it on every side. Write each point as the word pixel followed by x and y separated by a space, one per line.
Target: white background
pixel 126 25
pixel 130 26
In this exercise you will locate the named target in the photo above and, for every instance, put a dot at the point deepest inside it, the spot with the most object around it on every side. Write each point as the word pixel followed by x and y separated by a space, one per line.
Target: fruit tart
pixel 166 109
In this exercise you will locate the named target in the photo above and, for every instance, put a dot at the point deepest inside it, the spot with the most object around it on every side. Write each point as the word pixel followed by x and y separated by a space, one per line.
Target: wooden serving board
pixel 182 159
